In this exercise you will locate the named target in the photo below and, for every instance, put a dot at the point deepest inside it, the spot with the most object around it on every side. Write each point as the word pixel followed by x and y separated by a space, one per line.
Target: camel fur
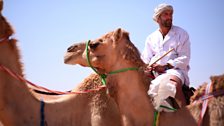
pixel 114 51
pixel 20 107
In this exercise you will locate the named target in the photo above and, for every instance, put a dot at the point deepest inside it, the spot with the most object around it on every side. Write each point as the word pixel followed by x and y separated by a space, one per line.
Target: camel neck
pixel 11 89
pixel 132 98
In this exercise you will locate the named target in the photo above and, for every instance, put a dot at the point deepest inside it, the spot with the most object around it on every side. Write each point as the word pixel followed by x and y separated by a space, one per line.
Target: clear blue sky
pixel 46 28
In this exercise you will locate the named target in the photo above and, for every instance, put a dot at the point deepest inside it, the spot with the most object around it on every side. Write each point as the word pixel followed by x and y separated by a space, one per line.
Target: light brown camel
pixel 18 107
pixel 114 51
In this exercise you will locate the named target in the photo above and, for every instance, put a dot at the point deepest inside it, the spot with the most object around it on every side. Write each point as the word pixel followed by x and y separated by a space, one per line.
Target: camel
pixel 20 107
pixel 114 51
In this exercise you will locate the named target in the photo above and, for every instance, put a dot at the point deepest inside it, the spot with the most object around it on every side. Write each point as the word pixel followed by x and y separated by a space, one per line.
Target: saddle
pixel 188 92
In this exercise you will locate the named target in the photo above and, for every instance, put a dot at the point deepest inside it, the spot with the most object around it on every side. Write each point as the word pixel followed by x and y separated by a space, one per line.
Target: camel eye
pixel 94 45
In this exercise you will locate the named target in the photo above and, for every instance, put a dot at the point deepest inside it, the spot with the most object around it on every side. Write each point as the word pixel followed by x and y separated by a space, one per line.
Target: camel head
pixel 5 32
pixel 8 47
pixel 74 54
pixel 5 28
pixel 113 50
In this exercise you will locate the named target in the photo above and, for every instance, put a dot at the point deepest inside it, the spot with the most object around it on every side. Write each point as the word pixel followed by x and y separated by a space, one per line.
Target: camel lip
pixel 71 56
pixel 68 58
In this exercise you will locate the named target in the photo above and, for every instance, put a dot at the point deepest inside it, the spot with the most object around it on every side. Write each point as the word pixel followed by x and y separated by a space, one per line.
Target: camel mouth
pixel 71 57
pixel 67 59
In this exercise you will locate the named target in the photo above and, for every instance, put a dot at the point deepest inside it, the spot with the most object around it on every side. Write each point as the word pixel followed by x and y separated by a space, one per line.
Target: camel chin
pixel 68 58
pixel 71 58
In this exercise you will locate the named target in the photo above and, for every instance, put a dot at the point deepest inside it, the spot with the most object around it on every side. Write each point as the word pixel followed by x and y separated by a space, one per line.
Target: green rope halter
pixel 156 114
pixel 104 76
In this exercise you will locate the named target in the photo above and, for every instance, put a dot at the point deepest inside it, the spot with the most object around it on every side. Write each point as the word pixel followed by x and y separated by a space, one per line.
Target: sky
pixel 46 28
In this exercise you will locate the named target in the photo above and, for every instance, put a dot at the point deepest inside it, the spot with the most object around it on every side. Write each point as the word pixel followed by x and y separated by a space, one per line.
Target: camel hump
pixel 218 82
pixel 217 86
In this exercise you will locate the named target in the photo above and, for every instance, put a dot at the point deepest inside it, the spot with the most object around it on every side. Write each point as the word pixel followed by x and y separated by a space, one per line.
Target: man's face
pixel 165 19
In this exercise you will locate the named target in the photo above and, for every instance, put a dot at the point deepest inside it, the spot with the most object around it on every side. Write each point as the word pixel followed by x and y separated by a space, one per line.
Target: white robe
pixel 155 47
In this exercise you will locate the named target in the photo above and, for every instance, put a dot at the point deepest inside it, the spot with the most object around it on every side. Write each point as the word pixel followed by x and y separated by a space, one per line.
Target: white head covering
pixel 159 9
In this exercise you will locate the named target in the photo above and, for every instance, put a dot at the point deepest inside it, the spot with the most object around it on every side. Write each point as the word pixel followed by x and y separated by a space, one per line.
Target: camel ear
pixel 1 5
pixel 117 35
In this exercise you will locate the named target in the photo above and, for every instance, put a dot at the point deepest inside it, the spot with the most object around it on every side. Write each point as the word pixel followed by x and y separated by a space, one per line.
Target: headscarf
pixel 159 9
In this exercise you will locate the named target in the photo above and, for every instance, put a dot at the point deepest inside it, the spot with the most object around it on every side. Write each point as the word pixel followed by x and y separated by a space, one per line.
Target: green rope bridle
pixel 104 76
pixel 156 114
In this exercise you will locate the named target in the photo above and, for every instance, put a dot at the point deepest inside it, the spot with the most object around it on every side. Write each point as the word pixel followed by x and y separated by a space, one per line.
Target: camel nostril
pixel 94 45
pixel 72 48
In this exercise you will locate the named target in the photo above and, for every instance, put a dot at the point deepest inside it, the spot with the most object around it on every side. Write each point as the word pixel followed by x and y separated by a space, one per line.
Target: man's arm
pixel 183 51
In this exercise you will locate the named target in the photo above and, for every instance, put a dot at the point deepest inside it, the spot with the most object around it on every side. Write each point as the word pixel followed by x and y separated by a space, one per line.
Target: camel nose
pixel 72 48
pixel 69 49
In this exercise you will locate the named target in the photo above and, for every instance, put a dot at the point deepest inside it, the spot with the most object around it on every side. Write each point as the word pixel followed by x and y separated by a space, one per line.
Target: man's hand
pixel 148 72
pixel 161 68
pixel 157 68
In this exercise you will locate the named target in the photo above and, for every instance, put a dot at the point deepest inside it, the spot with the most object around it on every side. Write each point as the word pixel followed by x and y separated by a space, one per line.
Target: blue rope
pixel 42 118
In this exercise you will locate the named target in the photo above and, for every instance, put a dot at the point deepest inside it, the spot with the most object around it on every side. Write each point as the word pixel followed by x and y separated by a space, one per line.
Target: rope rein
pixel 204 104
pixel 6 38
pixel 20 78
pixel 2 39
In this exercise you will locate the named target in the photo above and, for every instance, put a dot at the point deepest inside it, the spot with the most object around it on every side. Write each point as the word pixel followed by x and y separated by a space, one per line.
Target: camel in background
pixel 114 51
pixel 19 107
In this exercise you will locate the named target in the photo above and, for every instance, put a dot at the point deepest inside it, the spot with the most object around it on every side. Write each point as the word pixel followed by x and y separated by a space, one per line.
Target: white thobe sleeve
pixel 183 51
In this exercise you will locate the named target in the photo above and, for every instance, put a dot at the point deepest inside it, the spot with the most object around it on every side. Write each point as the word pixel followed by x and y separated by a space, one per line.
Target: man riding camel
pixel 171 71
